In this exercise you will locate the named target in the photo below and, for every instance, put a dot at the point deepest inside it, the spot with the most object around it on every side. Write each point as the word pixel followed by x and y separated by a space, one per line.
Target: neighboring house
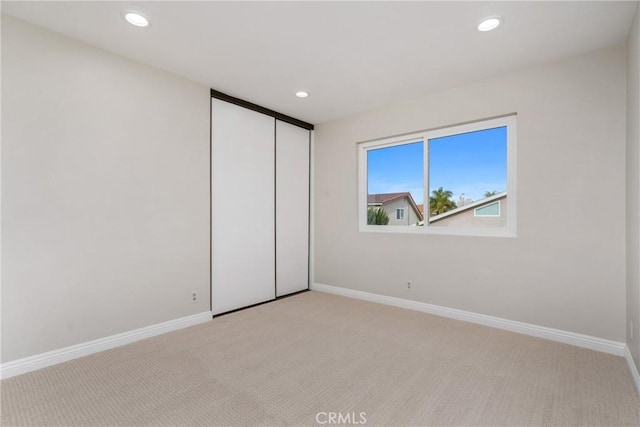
pixel 487 212
pixel 400 207
pixel 463 201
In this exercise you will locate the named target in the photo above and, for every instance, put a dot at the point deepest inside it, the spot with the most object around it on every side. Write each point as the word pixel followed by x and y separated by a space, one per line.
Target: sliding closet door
pixel 242 207
pixel 292 208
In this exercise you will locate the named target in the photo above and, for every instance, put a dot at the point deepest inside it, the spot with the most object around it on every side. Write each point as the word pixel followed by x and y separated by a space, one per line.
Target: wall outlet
pixel 408 286
pixel 631 330
pixel 194 297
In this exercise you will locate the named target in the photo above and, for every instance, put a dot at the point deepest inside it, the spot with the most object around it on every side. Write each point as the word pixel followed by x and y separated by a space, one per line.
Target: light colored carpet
pixel 284 362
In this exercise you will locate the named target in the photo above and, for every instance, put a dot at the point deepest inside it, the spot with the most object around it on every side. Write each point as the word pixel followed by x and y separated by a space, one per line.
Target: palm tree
pixel 440 201
pixel 490 193
pixel 377 216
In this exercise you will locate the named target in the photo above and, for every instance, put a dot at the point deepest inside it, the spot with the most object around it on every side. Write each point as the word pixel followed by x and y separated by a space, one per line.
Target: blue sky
pixel 469 164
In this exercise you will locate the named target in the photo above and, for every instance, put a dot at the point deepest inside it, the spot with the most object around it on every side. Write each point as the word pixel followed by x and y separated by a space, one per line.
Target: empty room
pixel 320 213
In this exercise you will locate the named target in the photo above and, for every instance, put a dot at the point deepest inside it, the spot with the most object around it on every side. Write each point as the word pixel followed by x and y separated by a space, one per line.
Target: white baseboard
pixel 579 340
pixel 632 368
pixel 39 361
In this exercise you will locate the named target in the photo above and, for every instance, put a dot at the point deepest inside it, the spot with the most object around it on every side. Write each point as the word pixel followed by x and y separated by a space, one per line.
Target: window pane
pixel 464 170
pixel 489 210
pixel 395 181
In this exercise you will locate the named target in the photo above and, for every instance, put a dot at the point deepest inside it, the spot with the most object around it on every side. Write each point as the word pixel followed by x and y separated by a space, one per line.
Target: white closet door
pixel 292 208
pixel 242 207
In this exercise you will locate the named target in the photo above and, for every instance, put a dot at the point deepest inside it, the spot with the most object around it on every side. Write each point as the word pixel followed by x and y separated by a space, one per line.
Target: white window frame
pixel 398 212
pixel 497 202
pixel 424 136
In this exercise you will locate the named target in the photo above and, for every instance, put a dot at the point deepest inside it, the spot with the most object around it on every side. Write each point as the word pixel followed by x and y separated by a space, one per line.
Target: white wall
pixel 566 268
pixel 105 197
pixel 633 188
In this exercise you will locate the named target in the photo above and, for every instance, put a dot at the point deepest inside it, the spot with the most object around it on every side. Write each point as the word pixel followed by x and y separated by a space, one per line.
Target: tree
pixel 377 216
pixel 490 193
pixel 441 202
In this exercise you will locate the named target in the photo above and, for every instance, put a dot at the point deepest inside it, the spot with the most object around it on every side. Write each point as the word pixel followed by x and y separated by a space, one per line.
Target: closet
pixel 259 204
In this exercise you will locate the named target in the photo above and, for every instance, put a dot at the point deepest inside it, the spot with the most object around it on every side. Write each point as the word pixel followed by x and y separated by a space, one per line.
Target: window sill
pixel 472 232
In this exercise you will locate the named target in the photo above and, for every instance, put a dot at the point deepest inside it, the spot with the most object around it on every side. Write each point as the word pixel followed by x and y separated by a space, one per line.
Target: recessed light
pixel 135 18
pixel 302 94
pixel 489 24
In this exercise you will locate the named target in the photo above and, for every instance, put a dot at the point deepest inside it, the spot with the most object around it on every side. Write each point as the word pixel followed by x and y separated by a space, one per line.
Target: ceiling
pixel 349 56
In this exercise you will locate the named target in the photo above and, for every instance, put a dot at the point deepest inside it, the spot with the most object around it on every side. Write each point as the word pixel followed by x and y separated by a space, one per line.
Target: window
pixel 395 181
pixel 455 180
pixel 492 209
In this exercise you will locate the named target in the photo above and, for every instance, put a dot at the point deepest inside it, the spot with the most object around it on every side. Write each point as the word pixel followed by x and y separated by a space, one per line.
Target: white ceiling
pixel 350 56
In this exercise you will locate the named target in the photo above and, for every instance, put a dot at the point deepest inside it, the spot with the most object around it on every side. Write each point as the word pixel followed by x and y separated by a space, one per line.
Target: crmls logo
pixel 341 418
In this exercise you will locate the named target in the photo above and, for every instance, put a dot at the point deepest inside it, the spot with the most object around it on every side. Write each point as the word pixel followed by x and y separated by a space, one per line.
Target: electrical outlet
pixel 631 329
pixel 194 297
pixel 408 286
